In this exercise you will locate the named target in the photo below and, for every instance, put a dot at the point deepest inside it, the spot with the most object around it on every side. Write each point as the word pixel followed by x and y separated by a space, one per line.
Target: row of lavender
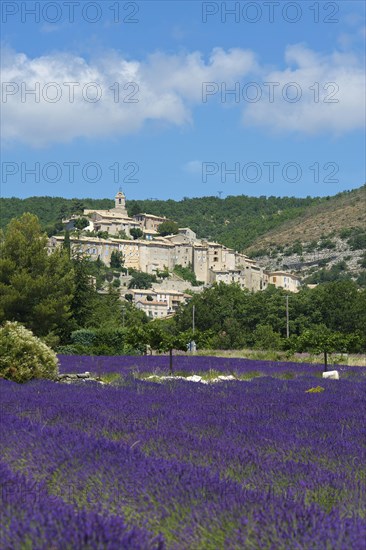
pixel 191 365
pixel 244 465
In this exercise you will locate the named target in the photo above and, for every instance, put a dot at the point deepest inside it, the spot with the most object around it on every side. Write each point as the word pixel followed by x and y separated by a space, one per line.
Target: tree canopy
pixel 168 228
pixel 36 288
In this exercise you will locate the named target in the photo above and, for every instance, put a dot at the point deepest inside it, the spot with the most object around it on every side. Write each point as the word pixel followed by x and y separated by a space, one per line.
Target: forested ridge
pixel 235 221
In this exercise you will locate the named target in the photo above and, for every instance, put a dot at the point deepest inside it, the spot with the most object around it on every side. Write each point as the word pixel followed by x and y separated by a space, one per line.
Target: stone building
pixel 149 221
pixel 170 300
pixel 210 261
pixel 282 279
pixel 153 308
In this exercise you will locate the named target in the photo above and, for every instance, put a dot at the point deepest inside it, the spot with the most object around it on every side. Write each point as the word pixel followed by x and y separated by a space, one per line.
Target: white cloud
pixel 165 88
pixel 340 76
pixel 168 87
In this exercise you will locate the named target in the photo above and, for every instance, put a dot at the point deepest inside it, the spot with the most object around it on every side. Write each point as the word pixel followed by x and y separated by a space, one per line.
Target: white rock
pixel 229 377
pixel 332 375
pixel 194 378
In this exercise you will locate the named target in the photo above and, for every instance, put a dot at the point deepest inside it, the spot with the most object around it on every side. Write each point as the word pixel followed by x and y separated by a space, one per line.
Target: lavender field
pixel 178 465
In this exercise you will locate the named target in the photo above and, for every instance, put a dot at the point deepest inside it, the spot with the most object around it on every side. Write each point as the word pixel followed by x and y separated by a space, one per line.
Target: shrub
pixel 23 356
pixel 83 337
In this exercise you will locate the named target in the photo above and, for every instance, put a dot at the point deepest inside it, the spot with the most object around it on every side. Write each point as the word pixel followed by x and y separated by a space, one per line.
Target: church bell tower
pixel 120 203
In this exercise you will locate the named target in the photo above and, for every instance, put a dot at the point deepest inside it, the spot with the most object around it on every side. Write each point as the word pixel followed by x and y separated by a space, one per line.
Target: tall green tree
pixel 84 292
pixel 117 259
pixel 66 245
pixel 36 289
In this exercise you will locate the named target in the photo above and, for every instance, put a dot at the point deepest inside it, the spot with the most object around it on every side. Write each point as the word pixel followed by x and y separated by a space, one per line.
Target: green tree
pixel 222 309
pixel 134 209
pixel 342 306
pixel 168 228
pixel 136 233
pixel 77 206
pixel 323 340
pixel 36 289
pixel 141 280
pixel 66 244
pixel 163 274
pixel 265 338
pixel 163 336
pixel 84 294
pixel 117 259
pixel 81 223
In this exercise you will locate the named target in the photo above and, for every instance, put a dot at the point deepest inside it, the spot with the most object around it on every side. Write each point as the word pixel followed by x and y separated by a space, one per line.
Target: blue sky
pixel 293 124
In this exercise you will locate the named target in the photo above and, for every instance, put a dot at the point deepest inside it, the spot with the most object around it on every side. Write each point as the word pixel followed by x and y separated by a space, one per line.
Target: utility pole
pixel 193 312
pixel 287 319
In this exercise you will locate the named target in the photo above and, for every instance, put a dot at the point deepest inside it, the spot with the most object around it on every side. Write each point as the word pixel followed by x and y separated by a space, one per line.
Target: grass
pixel 351 360
pixel 111 378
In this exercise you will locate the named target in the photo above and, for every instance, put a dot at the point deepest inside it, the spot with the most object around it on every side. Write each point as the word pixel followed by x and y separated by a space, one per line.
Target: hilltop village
pixel 152 253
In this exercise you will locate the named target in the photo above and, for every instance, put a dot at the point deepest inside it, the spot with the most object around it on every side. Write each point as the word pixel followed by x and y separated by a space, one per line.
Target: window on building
pixel 274 279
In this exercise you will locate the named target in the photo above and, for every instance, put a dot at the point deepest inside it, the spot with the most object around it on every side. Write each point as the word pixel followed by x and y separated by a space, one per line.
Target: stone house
pixel 284 280
pixel 153 309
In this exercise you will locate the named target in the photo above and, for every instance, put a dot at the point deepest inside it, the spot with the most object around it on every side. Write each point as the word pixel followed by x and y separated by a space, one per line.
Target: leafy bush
pixel 23 356
pixel 335 273
pixel 186 273
pixel 95 341
pixel 83 337
pixel 357 242
pixel 326 243
pixel 362 261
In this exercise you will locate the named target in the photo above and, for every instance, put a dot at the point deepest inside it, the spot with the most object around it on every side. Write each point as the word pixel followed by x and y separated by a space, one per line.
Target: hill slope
pixel 326 242
pixel 344 210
